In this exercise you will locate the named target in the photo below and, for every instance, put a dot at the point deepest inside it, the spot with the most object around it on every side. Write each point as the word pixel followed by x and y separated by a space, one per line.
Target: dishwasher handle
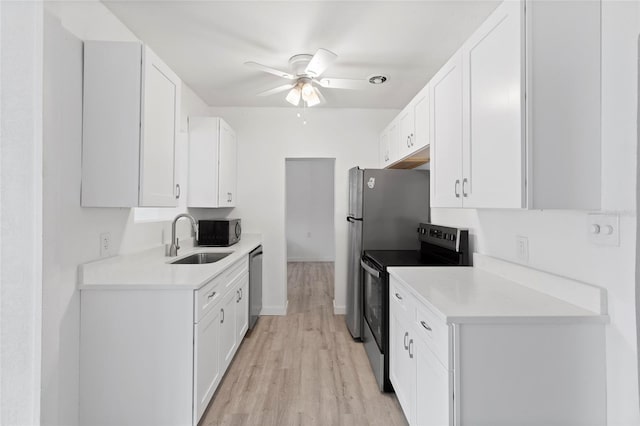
pixel 369 269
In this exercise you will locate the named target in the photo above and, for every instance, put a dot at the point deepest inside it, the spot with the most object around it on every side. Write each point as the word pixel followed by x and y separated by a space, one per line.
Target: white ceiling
pixel 207 43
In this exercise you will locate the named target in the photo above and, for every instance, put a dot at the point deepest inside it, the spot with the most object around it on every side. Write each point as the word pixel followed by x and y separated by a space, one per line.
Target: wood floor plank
pixel 303 368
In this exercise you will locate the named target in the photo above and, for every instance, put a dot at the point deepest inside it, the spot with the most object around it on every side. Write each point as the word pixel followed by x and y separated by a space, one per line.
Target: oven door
pixel 373 280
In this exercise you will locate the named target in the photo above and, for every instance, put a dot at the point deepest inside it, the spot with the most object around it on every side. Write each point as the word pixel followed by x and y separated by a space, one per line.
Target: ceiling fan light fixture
pixel 312 99
pixel 307 90
pixel 293 97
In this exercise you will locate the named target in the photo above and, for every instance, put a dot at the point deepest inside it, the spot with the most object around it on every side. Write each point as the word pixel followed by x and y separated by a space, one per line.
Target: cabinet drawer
pixel 229 275
pixel 434 332
pixel 207 297
pixel 401 298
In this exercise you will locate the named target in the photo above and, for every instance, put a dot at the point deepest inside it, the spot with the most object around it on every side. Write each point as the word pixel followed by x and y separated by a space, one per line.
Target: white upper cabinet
pixel 493 144
pixel 394 141
pixel 530 103
pixel 414 125
pixel 563 131
pixel 385 159
pixel 446 134
pixel 212 163
pixel 227 166
pixel 407 131
pixel 131 108
pixel 421 119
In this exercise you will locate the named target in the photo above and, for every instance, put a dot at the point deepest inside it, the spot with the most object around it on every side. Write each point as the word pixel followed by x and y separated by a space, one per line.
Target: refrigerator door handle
pixel 353 219
pixel 369 269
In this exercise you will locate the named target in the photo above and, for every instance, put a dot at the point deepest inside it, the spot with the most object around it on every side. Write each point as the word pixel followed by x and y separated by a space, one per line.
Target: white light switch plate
pixel 603 229
pixel 105 244
pixel 522 248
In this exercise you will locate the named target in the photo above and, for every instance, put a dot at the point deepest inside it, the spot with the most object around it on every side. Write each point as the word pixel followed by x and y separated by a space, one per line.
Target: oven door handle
pixel 369 269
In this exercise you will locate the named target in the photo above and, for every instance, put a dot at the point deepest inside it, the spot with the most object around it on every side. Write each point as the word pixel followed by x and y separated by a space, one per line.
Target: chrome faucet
pixel 172 250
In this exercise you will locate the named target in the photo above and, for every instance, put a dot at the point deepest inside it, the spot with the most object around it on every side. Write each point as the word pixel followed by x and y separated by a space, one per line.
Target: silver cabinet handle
pixel 241 294
pixel 424 324
pixel 177 191
pixel 237 296
pixel 456 188
pixel 411 348
pixel 222 320
pixel 213 293
pixel 230 196
pixel 408 141
pixel 412 143
pixel 464 186
pixel 406 346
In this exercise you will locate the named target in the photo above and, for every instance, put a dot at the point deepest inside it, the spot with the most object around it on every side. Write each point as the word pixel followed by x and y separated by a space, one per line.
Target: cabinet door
pixel 421 120
pixel 242 308
pixel 401 369
pixel 207 365
pixel 394 141
pixel 446 134
pixel 161 90
pixel 493 140
pixel 203 160
pixel 227 329
pixel 434 400
pixel 406 121
pixel 384 149
pixel 227 166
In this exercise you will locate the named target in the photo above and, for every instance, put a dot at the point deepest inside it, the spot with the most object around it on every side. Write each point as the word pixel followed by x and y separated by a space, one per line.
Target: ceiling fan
pixel 305 74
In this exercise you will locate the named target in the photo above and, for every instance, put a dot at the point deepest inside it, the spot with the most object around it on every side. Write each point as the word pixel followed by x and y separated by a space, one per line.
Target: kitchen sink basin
pixel 200 258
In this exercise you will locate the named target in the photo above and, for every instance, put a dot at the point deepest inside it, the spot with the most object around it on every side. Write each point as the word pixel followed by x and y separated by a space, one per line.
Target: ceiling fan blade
pixel 277 89
pixel 270 70
pixel 320 62
pixel 343 83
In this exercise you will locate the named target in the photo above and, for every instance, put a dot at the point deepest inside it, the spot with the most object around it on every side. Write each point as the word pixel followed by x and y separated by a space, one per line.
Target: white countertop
pixel 472 295
pixel 151 269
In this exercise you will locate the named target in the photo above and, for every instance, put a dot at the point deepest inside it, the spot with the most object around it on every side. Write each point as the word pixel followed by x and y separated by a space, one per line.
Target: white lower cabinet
pixel 433 385
pixel 242 307
pixel 228 328
pixel 207 367
pixel 494 372
pixel 156 357
pixel 402 370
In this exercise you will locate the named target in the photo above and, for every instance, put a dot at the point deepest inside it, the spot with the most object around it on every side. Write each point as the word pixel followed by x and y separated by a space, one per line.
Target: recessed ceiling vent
pixel 377 79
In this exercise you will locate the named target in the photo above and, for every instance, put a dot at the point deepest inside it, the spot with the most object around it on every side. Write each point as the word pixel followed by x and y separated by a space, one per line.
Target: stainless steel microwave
pixel 219 232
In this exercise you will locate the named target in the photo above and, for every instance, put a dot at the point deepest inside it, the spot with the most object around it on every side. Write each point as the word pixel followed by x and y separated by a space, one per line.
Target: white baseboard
pixel 275 310
pixel 339 310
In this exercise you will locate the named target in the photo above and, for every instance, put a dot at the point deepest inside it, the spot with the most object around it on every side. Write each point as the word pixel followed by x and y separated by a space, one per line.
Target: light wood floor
pixel 303 368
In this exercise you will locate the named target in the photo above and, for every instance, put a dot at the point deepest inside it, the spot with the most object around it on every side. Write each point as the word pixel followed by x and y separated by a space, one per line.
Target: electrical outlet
pixel 522 248
pixel 603 229
pixel 105 244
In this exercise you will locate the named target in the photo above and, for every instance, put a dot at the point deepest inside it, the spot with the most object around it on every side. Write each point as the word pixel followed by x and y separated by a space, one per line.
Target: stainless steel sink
pixel 200 258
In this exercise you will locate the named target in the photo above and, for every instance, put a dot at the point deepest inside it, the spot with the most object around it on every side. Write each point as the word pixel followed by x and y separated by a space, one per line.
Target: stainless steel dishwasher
pixel 255 286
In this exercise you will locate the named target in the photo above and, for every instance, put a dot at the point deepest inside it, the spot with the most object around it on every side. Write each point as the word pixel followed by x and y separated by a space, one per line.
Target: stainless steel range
pixel 439 246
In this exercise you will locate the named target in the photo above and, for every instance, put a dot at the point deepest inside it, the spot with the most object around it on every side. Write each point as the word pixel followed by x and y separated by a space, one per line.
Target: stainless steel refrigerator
pixel 385 208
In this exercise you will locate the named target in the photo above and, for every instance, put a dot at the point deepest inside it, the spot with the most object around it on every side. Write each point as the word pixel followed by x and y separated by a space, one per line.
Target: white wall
pixel 266 137
pixel 558 239
pixel 309 212
pixel 71 233
pixel 20 211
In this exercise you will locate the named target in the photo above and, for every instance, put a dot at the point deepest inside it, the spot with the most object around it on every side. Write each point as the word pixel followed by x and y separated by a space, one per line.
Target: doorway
pixel 310 231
